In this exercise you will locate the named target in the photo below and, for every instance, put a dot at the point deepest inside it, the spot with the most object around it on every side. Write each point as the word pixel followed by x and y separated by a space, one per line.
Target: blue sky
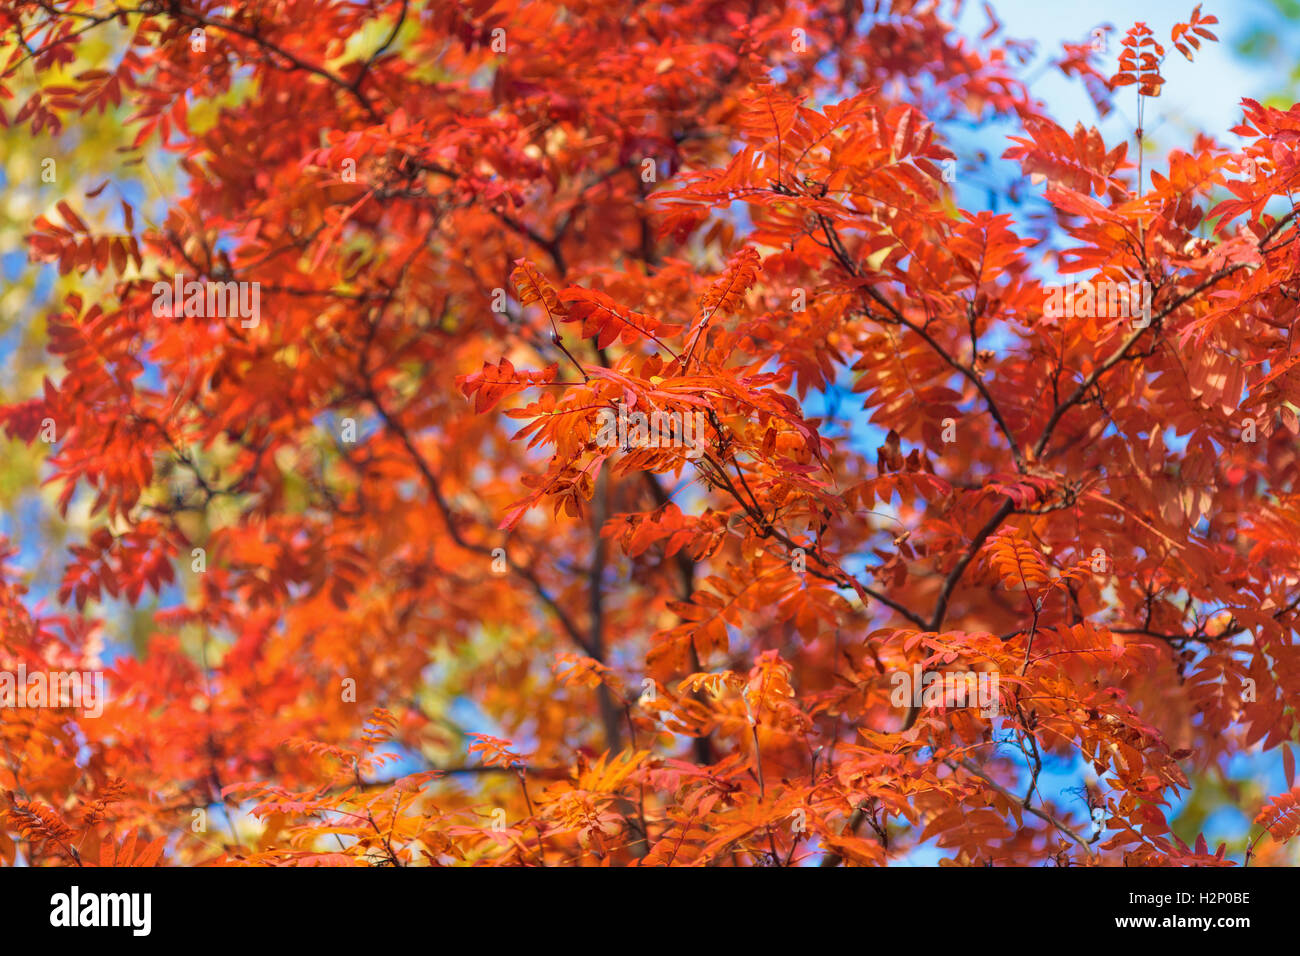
pixel 1204 94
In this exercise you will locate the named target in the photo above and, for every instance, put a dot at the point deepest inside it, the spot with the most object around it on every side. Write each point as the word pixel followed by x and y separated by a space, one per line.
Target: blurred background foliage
pixel 35 174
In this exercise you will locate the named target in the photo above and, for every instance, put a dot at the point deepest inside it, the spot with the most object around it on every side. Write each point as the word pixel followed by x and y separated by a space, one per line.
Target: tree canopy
pixel 598 433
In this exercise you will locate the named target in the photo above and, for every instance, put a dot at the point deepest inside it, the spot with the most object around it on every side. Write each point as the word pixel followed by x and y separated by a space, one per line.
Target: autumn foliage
pixel 408 607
